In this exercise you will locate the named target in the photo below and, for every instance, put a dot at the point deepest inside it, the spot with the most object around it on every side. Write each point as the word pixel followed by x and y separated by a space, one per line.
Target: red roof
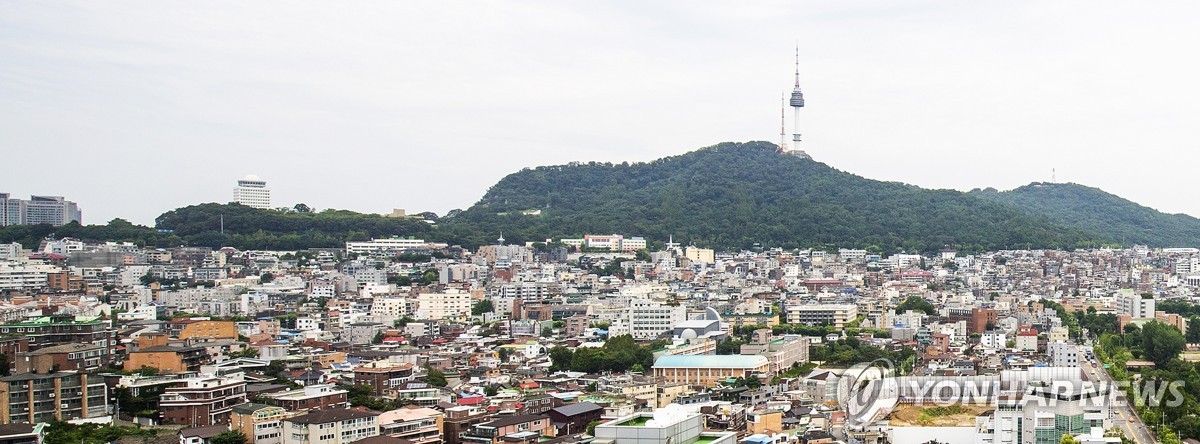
pixel 471 400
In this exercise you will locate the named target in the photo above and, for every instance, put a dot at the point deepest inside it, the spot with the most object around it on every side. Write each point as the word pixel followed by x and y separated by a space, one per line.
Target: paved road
pixel 1135 430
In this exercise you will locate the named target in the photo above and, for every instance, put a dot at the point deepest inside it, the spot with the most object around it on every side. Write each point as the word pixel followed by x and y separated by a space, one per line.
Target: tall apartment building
pixel 311 397
pixel 252 191
pixel 1135 305
pixel 44 397
pixel 54 330
pixel 836 315
pixel 382 376
pixel 53 210
pixel 25 276
pixel 978 319
pixel 337 426
pixel 649 319
pixel 453 304
pixel 202 400
pixel 392 245
pixel 261 423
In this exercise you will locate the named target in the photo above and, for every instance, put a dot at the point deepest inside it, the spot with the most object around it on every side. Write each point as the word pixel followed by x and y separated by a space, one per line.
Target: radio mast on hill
pixel 783 146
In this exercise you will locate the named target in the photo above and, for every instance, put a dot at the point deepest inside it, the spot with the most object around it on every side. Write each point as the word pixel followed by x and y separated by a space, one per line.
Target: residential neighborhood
pixel 585 340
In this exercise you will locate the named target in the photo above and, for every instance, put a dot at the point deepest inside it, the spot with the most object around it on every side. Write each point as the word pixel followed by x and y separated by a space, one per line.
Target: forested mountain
pixel 1093 210
pixel 734 195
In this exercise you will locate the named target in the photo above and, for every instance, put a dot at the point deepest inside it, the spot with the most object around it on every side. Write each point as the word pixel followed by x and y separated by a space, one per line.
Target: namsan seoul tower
pixel 797 102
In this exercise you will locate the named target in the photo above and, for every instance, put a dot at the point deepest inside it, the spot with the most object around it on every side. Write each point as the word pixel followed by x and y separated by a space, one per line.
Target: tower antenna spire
pixel 797 66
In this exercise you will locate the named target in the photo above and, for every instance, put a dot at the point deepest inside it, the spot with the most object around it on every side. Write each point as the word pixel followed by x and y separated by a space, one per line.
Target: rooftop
pixel 514 420
pixel 334 415
pixel 711 361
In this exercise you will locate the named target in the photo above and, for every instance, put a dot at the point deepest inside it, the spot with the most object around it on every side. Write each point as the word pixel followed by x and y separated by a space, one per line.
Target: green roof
pixel 710 361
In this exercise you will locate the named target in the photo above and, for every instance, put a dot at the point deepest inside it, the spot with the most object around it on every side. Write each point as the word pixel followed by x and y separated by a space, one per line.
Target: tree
pixel 729 346
pixel 229 437
pixel 1161 343
pixel 276 369
pixel 435 377
pixel 248 352
pixel 916 303
pixel 560 358
pixel 1187 426
pixel 302 208
pixel 490 390
pixel 1193 330
pixel 1068 439
pixel 378 339
pixel 547 332
pixel 481 307
pixel 266 278
pixel 591 427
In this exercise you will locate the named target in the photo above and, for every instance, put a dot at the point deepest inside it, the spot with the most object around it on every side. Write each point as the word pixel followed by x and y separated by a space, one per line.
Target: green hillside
pixel 1093 210
pixel 734 195
pixel 729 196
pixel 249 228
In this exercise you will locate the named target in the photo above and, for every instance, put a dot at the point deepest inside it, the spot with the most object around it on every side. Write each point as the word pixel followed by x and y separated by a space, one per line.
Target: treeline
pixel 233 225
pixel 239 226
pixel 116 230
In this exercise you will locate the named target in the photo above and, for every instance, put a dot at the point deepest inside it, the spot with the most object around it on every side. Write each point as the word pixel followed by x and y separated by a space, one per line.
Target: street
pixel 1134 430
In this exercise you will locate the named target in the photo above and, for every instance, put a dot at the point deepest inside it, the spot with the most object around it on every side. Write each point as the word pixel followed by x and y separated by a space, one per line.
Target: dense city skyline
pixel 424 107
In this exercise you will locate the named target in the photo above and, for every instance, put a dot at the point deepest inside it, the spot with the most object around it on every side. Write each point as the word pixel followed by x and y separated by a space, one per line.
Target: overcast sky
pixel 135 108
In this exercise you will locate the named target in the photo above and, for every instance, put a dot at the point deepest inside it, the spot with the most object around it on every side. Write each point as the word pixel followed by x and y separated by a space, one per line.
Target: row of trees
pixel 618 354
pixel 850 350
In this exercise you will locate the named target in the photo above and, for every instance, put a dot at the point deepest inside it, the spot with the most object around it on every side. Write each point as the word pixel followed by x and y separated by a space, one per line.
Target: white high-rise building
pixel 52 210
pixel 648 319
pixel 252 191
pixel 1135 305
